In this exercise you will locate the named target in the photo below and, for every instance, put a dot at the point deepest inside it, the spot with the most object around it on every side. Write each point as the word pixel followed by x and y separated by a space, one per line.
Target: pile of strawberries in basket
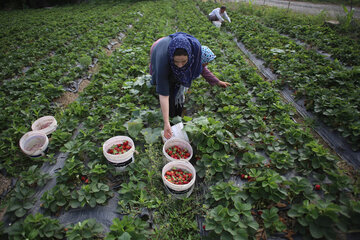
pixel 178 176
pixel 120 148
pixel 178 152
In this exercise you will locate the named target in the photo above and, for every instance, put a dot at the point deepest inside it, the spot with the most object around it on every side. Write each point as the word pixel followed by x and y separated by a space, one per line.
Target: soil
pixel 5 184
pixel 69 97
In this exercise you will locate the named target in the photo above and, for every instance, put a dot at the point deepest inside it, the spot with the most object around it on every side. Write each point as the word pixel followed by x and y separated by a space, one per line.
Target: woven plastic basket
pixel 34 143
pixel 46 124
pixel 120 158
pixel 179 191
pixel 180 143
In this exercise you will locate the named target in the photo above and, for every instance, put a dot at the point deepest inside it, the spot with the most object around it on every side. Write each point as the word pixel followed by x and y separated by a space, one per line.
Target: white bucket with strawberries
pixel 177 149
pixel 46 124
pixel 34 143
pixel 119 151
pixel 179 178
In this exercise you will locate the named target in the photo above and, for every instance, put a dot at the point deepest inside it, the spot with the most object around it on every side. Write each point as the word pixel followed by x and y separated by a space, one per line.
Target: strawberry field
pixel 261 171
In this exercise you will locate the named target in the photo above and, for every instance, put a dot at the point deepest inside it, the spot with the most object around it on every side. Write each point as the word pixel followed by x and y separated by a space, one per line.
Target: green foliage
pixel 317 219
pixel 85 61
pixel 36 227
pixel 128 228
pixel 91 194
pixel 87 229
pixel 20 201
pixel 272 222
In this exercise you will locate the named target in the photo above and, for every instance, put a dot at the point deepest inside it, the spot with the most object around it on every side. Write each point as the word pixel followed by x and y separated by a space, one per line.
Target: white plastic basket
pixel 217 24
pixel 180 143
pixel 120 158
pixel 34 143
pixel 179 191
pixel 46 124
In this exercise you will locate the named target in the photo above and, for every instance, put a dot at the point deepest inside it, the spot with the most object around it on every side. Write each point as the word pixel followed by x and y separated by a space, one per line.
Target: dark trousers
pixel 213 18
pixel 174 110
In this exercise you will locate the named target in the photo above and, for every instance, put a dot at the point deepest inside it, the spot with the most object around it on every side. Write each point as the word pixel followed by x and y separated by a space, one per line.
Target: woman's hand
pixel 223 84
pixel 164 104
pixel 167 130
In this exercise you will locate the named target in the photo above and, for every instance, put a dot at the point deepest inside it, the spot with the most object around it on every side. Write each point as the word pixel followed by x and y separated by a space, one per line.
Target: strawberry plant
pixel 127 228
pixel 134 196
pixel 36 227
pixel 34 178
pixel 56 198
pixel 216 166
pixel 266 186
pixel 234 223
pixel 87 229
pixel 252 159
pixel 317 219
pixel 300 188
pixel 272 221
pixel 282 160
pixel 90 194
pixel 71 171
pixel 20 201
pixel 97 171
pixel 225 194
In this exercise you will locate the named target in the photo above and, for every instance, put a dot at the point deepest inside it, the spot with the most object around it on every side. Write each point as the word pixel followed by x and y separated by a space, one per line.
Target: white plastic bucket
pixel 119 167
pixel 120 161
pixel 217 24
pixel 46 124
pixel 180 143
pixel 34 143
pixel 179 191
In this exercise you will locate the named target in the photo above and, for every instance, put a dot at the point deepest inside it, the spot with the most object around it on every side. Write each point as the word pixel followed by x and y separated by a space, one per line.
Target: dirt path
pixel 331 10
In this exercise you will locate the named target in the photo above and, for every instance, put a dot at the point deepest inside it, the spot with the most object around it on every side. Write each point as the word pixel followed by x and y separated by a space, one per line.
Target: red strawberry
pixel 260 212
pixel 264 118
pixel 204 226
pixel 317 187
pixel 242 176
pixel 83 178
pixel 87 180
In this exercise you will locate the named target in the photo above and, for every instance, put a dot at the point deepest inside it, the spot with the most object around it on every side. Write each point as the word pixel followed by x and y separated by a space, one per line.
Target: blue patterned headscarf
pixel 206 55
pixel 193 67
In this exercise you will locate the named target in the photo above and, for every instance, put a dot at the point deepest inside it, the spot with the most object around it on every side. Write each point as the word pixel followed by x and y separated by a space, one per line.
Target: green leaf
pixel 125 236
pixel 134 127
pixel 20 212
pixel 315 231
pixel 151 135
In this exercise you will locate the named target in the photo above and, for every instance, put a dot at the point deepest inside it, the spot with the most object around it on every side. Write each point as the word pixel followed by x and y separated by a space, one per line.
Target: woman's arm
pixel 164 104
pixel 212 79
